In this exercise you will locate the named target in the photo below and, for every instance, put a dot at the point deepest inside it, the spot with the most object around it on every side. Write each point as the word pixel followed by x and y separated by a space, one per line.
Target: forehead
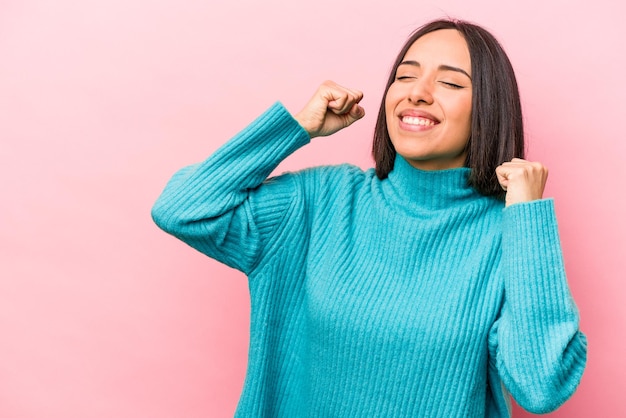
pixel 441 47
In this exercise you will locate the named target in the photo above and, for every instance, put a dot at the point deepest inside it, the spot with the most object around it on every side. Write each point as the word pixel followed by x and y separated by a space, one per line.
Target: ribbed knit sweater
pixel 412 296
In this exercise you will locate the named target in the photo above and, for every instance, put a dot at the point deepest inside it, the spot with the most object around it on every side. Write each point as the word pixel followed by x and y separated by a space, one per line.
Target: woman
pixel 432 286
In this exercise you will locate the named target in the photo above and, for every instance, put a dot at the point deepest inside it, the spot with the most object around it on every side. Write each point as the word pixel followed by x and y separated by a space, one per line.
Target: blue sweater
pixel 413 296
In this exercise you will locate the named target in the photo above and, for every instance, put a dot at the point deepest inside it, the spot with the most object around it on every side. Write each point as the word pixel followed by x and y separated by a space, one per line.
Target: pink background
pixel 103 315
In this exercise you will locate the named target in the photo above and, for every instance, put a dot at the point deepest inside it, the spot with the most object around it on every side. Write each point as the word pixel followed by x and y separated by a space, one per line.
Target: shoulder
pixel 334 172
pixel 333 178
pixel 319 178
pixel 321 182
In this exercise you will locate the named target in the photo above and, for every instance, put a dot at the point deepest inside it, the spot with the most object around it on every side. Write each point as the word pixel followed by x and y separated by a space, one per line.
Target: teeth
pixel 410 120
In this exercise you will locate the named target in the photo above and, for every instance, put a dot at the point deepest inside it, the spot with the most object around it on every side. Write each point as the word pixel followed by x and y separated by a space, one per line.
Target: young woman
pixel 430 286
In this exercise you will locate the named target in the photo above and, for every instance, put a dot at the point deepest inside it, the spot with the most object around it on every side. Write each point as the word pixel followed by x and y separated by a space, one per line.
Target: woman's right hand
pixel 331 109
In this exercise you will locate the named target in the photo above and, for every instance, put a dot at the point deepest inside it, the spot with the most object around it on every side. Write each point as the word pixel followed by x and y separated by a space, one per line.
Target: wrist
pixel 305 124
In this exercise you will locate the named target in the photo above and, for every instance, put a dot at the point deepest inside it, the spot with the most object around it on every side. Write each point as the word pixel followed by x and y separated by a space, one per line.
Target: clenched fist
pixel 331 109
pixel 522 180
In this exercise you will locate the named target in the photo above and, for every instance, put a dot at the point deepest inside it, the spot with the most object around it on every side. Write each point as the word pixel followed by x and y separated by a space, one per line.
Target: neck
pixel 430 190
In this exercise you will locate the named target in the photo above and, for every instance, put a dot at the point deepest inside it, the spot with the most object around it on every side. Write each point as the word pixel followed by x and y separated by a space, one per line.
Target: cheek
pixel 463 114
pixel 395 94
pixel 468 117
pixel 388 101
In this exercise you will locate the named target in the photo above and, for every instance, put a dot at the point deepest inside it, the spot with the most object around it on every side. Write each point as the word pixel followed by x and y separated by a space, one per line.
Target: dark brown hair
pixel 497 132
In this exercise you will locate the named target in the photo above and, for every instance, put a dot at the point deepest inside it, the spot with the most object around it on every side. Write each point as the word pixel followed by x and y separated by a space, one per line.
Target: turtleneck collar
pixel 428 190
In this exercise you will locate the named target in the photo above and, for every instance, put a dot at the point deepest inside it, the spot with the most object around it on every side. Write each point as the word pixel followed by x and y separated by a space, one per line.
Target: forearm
pixel 541 352
pixel 204 204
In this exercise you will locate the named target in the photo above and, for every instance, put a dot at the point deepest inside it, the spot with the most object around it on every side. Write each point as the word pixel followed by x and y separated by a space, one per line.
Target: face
pixel 429 105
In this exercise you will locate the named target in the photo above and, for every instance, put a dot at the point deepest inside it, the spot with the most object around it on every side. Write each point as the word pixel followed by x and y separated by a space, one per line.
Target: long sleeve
pixel 208 206
pixel 536 345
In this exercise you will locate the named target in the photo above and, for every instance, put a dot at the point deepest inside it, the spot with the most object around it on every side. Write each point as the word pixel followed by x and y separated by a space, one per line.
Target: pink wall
pixel 103 315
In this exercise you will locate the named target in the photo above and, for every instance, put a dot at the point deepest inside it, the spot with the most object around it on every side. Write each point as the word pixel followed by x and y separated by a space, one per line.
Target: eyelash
pixel 452 85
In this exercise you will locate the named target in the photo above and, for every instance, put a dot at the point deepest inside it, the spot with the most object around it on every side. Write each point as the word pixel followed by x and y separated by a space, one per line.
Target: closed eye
pixel 452 85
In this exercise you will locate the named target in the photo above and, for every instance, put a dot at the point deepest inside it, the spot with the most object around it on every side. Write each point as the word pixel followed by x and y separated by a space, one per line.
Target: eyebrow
pixel 442 67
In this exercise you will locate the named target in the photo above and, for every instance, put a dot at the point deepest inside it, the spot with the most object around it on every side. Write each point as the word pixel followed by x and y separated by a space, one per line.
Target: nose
pixel 421 91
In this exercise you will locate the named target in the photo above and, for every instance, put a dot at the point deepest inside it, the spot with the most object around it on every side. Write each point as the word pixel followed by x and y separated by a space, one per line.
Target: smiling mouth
pixel 416 121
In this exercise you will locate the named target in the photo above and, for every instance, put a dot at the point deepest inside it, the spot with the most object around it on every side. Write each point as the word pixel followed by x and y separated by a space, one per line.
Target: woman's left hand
pixel 522 180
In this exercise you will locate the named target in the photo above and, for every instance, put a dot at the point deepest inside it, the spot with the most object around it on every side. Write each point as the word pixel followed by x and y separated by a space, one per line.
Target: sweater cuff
pixel 281 128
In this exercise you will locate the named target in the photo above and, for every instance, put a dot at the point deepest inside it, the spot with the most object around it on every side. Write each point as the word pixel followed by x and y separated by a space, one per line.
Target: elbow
pixel 546 400
pixel 541 403
pixel 165 218
pixel 551 391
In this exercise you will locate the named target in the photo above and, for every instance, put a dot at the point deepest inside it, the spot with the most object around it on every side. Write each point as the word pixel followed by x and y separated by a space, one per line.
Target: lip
pixel 416 113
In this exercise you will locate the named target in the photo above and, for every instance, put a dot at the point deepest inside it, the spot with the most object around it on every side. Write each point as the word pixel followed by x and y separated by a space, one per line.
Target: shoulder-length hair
pixel 497 133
